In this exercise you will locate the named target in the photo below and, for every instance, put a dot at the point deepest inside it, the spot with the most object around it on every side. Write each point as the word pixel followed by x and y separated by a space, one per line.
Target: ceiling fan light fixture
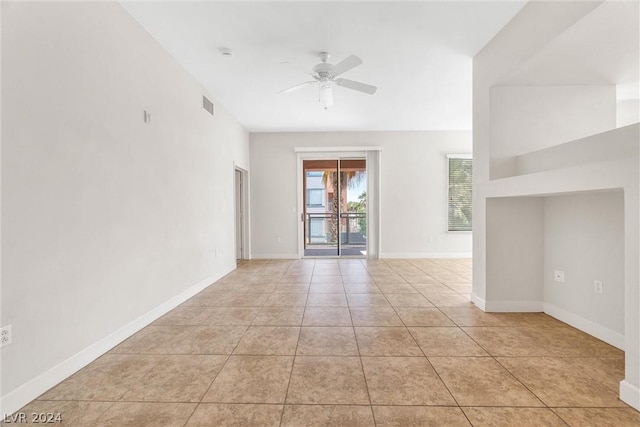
pixel 326 95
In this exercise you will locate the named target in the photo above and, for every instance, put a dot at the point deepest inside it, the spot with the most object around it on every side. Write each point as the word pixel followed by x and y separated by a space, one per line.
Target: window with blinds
pixel 460 186
pixel 315 197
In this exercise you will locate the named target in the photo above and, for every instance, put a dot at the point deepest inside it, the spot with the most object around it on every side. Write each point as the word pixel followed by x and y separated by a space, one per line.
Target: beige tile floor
pixel 347 343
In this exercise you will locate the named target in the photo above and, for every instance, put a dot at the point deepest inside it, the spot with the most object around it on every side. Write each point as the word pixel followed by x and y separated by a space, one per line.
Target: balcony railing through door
pixel 352 238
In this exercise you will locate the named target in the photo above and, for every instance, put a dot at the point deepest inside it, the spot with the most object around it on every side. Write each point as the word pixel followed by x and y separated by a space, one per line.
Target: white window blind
pixel 460 192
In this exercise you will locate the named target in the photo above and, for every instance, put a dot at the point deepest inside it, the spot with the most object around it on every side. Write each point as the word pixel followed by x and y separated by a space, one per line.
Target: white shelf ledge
pixel 603 162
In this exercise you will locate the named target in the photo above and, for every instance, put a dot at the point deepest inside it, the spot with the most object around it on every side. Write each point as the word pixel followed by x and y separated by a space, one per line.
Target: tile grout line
pixel 364 376
pixel 223 365
pixel 490 355
pixel 432 367
pixel 429 361
pixel 506 369
pixel 295 354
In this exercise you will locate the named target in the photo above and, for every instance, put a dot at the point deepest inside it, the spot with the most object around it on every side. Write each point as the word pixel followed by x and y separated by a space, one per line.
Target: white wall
pixel 584 237
pixel 515 241
pixel 413 190
pixel 105 218
pixel 530 118
pixel 627 112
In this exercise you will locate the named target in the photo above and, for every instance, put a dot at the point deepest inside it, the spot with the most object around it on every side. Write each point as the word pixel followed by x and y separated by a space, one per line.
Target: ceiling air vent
pixel 207 105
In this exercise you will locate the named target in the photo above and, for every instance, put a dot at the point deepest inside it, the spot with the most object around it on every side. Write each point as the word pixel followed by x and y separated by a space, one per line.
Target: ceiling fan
pixel 326 74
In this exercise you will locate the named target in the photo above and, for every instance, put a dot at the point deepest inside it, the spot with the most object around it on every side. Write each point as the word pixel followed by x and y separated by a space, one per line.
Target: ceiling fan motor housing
pixel 324 70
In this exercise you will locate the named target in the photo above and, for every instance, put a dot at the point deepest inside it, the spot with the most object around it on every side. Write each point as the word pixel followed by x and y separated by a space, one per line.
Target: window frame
pixel 322 198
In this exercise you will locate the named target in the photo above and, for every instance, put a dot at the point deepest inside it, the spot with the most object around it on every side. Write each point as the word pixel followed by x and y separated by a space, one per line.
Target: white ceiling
pixel 603 48
pixel 418 54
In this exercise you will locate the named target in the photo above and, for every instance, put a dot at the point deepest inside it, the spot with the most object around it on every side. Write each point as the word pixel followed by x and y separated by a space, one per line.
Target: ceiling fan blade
pixel 346 64
pixel 360 87
pixel 296 87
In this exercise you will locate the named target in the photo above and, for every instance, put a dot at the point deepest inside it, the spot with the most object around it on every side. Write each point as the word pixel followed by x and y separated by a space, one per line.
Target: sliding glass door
pixel 335 219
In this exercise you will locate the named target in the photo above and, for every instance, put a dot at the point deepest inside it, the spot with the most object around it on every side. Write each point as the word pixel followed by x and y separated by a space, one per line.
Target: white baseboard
pixel 630 394
pixel 389 255
pixel 479 302
pixel 393 255
pixel 614 338
pixel 274 256
pixel 19 397
pixel 506 306
pixel 514 306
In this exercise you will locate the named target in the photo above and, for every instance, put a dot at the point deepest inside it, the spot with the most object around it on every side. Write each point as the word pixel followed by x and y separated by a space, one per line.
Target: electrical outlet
pixel 5 336
pixel 597 286
pixel 558 276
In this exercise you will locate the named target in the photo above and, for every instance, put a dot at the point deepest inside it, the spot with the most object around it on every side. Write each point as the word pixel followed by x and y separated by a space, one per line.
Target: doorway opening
pixel 335 207
pixel 240 199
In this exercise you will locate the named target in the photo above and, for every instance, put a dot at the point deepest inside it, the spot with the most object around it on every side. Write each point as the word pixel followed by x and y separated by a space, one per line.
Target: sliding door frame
pixel 370 154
